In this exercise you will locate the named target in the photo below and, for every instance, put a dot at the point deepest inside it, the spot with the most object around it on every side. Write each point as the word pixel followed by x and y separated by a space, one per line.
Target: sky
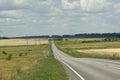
pixel 58 17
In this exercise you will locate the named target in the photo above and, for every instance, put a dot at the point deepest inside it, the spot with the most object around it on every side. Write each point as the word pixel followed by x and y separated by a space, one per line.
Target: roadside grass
pixel 47 69
pixel 18 64
pixel 71 46
pixel 35 62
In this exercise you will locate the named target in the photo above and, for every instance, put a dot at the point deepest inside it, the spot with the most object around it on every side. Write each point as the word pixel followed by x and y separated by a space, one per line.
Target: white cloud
pixel 70 5
pixel 117 8
pixel 117 5
pixel 12 13
pixel 11 4
pixel 89 5
pixel 19 1
pixel 85 5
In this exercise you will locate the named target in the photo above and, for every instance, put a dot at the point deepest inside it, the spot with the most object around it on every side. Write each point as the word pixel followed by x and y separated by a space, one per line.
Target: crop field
pixel 33 62
pixel 102 51
pixel 15 42
pixel 95 47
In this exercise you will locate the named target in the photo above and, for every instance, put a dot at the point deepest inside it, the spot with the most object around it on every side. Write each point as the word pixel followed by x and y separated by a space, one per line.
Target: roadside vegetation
pixel 91 47
pixel 33 62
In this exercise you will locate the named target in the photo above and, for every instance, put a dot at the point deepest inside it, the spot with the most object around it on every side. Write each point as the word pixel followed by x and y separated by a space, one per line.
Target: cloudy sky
pixel 43 17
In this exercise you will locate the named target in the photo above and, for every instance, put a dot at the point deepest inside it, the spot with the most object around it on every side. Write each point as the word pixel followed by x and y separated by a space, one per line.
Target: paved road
pixel 88 69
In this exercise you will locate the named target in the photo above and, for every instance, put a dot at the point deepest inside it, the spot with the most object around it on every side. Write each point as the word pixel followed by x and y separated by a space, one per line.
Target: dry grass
pixel 98 45
pixel 85 39
pixel 11 68
pixel 16 42
pixel 102 51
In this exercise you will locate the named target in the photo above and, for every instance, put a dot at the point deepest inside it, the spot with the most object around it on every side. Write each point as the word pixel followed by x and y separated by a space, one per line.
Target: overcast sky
pixel 48 17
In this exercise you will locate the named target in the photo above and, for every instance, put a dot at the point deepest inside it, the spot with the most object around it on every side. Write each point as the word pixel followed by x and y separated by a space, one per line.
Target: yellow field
pixel 15 42
pixel 102 51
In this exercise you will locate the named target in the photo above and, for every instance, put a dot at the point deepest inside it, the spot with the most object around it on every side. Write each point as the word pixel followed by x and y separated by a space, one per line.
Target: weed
pixel 4 52
pixel 26 54
pixel 21 54
pixel 9 57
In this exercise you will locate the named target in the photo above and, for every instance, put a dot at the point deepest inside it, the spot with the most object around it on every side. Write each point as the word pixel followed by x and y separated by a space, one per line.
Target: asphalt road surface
pixel 86 68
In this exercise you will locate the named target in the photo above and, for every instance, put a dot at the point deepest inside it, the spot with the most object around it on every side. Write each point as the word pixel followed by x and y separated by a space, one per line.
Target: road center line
pixel 73 71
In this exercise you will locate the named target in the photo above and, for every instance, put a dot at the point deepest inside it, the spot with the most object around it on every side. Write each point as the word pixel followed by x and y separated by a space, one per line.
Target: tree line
pixel 90 35
pixel 83 35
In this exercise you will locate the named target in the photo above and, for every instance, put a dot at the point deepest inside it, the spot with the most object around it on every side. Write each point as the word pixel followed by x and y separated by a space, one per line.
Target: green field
pixel 30 63
pixel 87 47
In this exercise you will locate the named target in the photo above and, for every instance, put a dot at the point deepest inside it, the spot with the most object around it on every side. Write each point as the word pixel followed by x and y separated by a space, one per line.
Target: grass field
pixel 34 62
pixel 95 48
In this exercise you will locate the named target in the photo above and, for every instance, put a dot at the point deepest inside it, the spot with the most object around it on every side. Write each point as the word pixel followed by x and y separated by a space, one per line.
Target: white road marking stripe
pixel 74 71
pixel 116 67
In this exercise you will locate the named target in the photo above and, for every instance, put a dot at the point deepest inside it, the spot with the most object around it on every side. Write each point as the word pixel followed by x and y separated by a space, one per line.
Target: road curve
pixel 86 68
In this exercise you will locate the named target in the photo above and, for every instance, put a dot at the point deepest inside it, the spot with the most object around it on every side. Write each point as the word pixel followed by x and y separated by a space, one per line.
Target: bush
pixel 26 54
pixel 5 53
pixel 9 57
pixel 21 54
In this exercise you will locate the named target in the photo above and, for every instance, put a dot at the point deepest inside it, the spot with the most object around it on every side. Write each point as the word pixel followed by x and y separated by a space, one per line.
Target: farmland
pixel 111 52
pixel 15 42
pixel 27 61
pixel 91 47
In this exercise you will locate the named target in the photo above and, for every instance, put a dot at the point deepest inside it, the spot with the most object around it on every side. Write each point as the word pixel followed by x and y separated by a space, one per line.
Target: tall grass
pixel 47 69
